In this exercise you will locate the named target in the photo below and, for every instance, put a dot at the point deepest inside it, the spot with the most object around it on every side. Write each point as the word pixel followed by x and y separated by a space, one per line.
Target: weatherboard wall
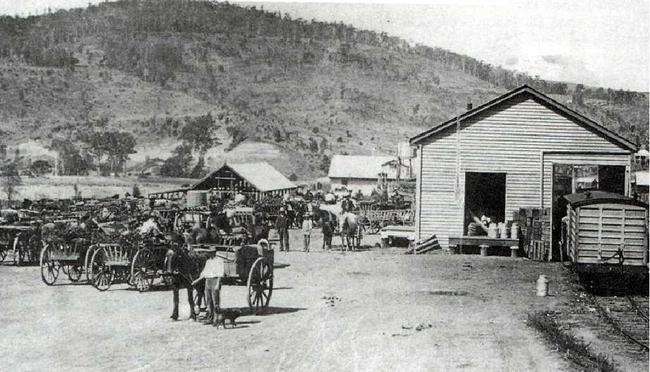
pixel 510 138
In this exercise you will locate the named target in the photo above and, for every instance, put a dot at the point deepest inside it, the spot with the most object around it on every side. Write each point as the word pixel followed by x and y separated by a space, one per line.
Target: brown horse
pixel 181 269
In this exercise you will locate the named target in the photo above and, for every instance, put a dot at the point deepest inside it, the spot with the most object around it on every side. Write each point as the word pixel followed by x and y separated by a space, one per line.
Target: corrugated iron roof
pixel 541 98
pixel 261 175
pixel 357 166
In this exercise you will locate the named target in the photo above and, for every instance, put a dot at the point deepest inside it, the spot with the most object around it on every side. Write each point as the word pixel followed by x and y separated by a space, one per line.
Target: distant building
pixel 255 180
pixel 356 173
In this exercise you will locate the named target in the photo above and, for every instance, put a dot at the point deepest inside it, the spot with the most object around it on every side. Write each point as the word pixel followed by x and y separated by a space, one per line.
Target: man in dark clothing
pixel 282 226
pixel 222 223
pixel 347 205
pixel 328 231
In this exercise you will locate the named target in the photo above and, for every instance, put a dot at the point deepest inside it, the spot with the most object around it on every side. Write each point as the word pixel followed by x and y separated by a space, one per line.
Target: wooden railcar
pixel 605 230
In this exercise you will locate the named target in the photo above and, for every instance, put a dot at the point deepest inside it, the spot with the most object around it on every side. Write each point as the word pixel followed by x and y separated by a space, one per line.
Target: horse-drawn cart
pixel 249 265
pixel 24 241
pixel 72 257
pixel 148 264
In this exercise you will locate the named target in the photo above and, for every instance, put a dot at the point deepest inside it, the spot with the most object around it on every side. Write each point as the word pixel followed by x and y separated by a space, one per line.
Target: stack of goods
pixel 535 227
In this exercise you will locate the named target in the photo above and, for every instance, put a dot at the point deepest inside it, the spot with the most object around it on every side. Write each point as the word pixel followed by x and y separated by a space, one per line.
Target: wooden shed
pixel 522 149
pixel 255 180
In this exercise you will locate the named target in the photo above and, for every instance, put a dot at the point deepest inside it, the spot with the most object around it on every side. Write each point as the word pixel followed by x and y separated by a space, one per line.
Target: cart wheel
pixel 49 268
pixel 144 262
pixel 74 273
pixel 141 282
pixel 375 227
pixel 19 251
pixel 89 256
pixel 102 274
pixel 260 285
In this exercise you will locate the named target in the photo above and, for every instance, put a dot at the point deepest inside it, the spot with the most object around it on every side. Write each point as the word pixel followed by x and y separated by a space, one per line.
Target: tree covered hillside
pixel 154 69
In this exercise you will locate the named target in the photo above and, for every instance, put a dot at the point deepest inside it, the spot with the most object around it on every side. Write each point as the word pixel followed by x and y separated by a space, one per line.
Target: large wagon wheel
pixel 18 250
pixel 375 227
pixel 260 285
pixel 89 255
pixel 143 266
pixel 49 267
pixel 365 222
pixel 74 272
pixel 102 274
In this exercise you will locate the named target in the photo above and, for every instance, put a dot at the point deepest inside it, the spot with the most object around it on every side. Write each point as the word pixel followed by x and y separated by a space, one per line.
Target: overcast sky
pixel 596 42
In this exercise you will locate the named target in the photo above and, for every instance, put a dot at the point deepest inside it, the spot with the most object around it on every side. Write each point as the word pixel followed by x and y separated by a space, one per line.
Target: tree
pixel 136 191
pixel 178 164
pixel 72 162
pixel 199 132
pixel 10 179
pixel 199 169
pixel 41 167
pixel 325 163
pixel 116 146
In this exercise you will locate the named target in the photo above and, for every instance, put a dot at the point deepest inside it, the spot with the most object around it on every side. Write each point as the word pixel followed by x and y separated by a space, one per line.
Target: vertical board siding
pixel 510 138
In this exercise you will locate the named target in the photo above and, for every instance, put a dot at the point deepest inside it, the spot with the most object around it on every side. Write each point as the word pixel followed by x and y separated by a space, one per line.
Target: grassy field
pixel 93 186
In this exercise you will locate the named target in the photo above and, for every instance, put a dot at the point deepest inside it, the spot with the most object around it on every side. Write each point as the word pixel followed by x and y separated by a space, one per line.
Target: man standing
pixel 347 205
pixel 282 226
pixel 306 231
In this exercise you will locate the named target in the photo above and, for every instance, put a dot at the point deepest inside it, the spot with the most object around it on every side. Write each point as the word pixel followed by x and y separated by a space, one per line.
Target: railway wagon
pixel 605 231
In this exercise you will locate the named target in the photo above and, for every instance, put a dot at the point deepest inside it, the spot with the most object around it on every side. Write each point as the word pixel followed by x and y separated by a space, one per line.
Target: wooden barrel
pixel 196 198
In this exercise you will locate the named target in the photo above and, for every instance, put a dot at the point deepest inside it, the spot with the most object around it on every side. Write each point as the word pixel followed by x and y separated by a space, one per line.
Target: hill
pixel 293 92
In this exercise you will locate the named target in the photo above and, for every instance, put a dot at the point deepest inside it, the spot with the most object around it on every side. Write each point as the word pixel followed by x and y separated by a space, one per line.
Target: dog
pixel 227 314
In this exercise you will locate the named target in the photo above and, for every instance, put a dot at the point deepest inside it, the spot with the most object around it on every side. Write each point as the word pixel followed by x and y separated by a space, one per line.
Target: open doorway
pixel 485 195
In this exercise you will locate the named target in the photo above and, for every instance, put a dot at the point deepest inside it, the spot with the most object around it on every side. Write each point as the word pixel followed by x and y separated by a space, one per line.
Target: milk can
pixel 542 286
pixel 493 231
pixel 514 231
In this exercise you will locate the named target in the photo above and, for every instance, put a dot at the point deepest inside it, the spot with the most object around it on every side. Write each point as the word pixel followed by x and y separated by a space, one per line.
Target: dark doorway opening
pixel 485 195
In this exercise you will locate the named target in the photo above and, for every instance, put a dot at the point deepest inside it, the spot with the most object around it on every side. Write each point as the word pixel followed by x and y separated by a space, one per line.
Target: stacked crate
pixel 535 226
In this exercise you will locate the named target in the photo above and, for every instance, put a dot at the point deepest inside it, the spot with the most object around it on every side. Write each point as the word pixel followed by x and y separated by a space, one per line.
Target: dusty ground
pixel 370 310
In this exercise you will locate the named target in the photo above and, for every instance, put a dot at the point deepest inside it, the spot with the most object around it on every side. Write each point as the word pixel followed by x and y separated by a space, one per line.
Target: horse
pixel 328 223
pixel 182 268
pixel 347 224
pixel 350 231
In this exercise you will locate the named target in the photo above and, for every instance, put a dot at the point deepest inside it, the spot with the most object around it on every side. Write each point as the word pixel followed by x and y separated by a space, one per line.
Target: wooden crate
pixel 538 250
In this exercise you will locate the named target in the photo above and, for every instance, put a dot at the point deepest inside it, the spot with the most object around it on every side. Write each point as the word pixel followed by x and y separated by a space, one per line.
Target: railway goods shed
pixel 520 150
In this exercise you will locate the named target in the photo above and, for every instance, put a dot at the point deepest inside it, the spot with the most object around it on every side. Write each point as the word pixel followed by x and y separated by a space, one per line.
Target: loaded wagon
pixel 249 265
pixel 604 230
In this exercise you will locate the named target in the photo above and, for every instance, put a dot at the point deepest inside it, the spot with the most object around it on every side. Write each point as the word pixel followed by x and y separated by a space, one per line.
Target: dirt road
pixel 371 310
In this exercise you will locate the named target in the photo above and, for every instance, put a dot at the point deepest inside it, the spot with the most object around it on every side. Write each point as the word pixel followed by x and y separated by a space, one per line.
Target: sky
pixel 594 42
